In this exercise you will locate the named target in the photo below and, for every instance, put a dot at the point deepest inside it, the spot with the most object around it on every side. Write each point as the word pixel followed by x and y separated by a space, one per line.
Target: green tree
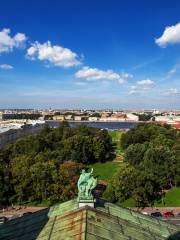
pixel 135 152
pixel 21 177
pixel 121 186
pixel 44 176
pixel 69 173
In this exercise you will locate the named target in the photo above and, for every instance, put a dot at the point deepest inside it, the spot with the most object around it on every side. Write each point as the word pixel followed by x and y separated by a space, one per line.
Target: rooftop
pixel 105 221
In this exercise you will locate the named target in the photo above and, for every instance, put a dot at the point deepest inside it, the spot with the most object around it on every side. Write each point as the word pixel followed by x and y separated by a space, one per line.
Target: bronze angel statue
pixel 86 184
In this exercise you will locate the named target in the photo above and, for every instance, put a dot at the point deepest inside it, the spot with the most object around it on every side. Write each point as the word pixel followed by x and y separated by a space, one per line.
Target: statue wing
pixel 94 184
pixel 80 180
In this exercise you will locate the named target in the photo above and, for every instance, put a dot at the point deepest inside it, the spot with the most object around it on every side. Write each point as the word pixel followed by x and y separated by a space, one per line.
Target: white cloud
pixel 95 74
pixel 6 66
pixel 55 55
pixel 171 92
pixel 133 90
pixel 146 84
pixel 133 87
pixel 171 35
pixel 7 43
pixel 173 70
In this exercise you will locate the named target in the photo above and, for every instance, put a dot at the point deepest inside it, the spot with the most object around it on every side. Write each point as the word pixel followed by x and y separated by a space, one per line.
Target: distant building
pixel 176 118
pixel 105 115
pixel 115 117
pixel 69 117
pixel 120 117
pixel 172 120
pixel 132 117
pixel 93 119
pixel 163 118
pixel 58 118
pixel 77 118
pixel 47 113
pixel 80 118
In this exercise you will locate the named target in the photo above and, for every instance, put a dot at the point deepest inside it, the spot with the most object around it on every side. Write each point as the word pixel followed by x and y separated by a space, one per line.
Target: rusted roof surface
pixel 105 222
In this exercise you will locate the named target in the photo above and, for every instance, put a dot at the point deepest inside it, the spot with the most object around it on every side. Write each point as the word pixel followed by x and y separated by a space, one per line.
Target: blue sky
pixel 90 54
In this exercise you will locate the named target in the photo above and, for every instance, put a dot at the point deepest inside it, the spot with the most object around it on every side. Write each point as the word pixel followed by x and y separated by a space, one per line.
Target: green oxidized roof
pixel 106 221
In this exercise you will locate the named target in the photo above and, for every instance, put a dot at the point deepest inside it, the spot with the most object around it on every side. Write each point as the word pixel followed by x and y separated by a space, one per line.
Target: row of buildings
pixel 103 118
pixel 172 120
pixel 168 117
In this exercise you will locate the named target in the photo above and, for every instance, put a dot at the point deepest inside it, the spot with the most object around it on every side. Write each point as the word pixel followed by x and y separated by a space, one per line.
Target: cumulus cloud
pixel 171 92
pixel 133 90
pixel 95 74
pixel 171 35
pixel 6 66
pixel 55 55
pixel 8 43
pixel 146 84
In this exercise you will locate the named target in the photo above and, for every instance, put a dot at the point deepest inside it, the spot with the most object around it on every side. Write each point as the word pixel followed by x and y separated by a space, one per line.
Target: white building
pixel 93 119
pixel 132 117
pixel 167 119
pixel 77 118
pixel 163 118
pixel 69 117
pixel 58 117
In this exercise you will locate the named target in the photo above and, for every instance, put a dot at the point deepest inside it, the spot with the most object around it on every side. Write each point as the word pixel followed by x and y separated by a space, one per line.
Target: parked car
pixel 168 214
pixel 3 220
pixel 156 214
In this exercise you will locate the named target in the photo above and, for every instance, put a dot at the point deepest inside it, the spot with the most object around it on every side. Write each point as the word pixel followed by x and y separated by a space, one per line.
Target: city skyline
pixel 89 54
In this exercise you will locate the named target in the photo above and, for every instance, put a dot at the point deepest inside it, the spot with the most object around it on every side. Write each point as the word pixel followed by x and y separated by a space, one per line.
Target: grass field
pixel 116 137
pixel 128 203
pixel 105 171
pixel 171 199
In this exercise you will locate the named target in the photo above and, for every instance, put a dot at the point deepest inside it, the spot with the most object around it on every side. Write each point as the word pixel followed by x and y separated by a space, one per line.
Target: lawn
pixel 128 203
pixel 116 137
pixel 105 171
pixel 171 199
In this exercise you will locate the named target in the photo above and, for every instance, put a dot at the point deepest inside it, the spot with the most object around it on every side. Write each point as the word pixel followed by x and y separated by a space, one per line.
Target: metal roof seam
pixel 85 237
pixel 120 225
pixel 51 230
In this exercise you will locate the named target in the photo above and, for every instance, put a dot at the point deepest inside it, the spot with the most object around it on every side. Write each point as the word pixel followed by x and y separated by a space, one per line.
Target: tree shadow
pixel 98 190
pixel 175 236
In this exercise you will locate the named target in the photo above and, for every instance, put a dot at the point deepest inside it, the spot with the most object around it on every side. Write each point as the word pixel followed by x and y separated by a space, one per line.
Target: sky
pixel 120 54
